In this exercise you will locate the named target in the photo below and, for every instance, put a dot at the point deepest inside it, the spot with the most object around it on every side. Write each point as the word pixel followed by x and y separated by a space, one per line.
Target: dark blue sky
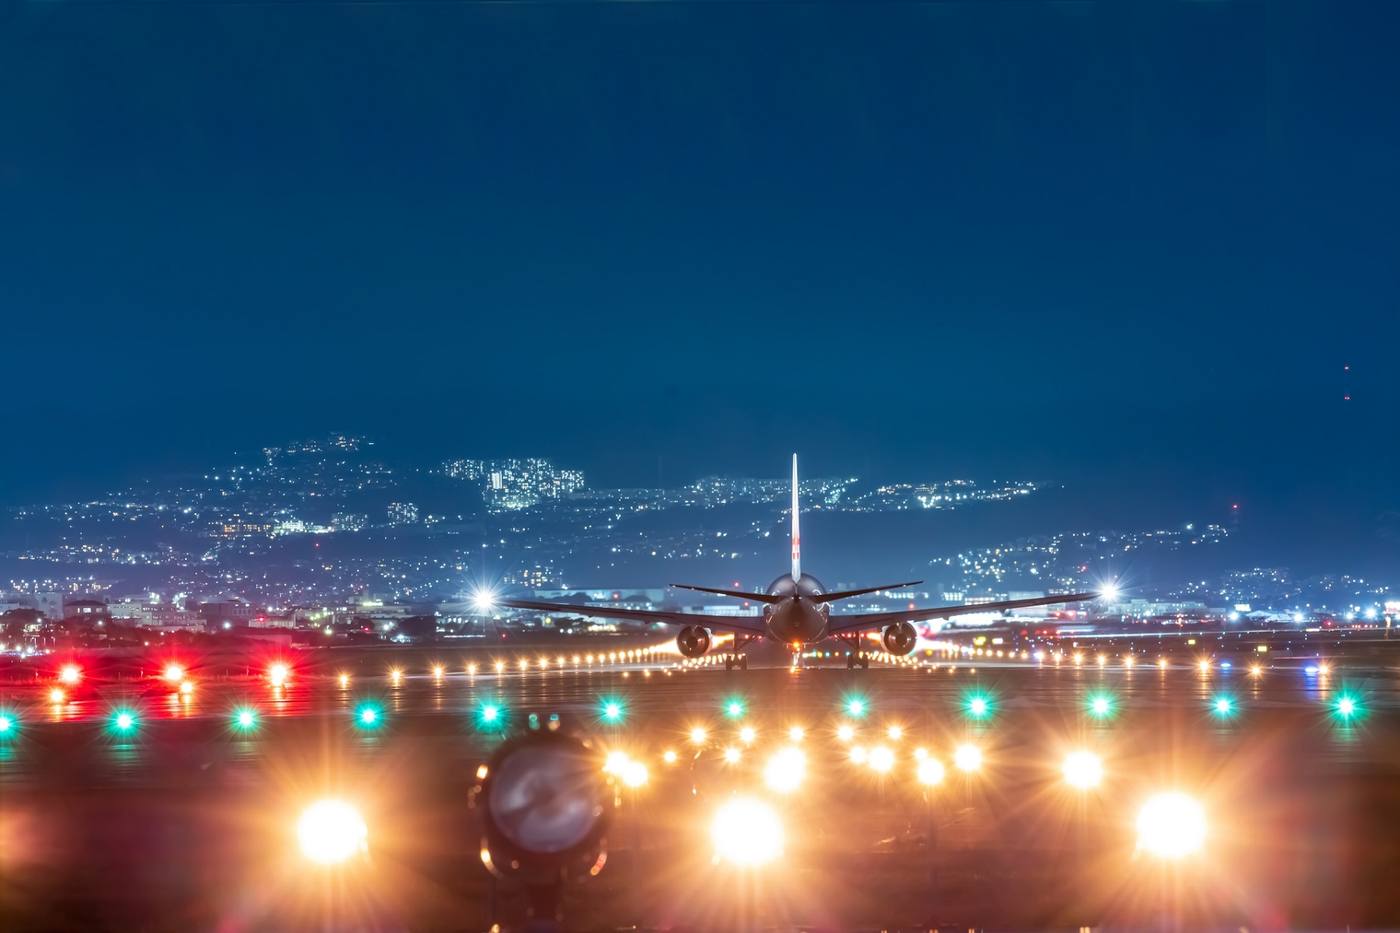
pixel 1124 243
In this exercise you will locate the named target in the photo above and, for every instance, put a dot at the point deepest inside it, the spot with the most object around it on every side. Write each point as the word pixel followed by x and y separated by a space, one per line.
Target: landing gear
pixel 735 659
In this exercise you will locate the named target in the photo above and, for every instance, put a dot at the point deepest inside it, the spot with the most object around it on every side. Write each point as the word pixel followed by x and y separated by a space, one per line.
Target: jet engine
pixel 899 638
pixel 694 640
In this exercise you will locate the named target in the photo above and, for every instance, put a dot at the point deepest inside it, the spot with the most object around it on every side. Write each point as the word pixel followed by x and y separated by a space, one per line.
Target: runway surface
pixel 183 819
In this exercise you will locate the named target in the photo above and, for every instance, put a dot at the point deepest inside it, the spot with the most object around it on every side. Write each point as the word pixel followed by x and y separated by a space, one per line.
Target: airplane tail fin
pixel 796 529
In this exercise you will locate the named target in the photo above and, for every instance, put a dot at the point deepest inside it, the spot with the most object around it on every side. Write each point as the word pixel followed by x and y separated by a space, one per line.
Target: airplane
pixel 796 612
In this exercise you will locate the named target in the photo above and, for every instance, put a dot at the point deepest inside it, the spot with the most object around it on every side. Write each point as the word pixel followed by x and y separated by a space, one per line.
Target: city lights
pixel 1083 770
pixel 1171 826
pixel 786 770
pixel 746 833
pixel 330 832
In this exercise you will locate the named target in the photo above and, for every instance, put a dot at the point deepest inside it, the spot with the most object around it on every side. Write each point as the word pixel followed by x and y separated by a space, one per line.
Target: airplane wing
pixel 737 594
pixel 847 594
pixel 874 620
pixel 729 623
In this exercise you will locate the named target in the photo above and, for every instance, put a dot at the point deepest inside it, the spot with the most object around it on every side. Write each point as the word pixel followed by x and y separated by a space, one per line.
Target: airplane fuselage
pixel 796 620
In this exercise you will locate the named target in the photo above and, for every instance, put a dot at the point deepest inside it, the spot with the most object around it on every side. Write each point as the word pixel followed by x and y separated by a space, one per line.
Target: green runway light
pixel 9 725
pixel 612 711
pixel 1223 707
pixel 979 704
pixel 856 706
pixel 490 716
pixel 124 722
pixel 245 719
pixel 369 716
pixel 1101 705
pixel 1347 707
pixel 734 708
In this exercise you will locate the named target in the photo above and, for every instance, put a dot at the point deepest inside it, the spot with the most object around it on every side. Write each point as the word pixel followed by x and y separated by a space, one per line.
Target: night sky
pixel 1125 245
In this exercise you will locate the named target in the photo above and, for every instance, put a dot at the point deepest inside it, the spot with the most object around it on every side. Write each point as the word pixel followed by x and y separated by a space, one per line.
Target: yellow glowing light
pixel 1103 659
pixel 186 688
pixel 796 734
pixel 845 733
pixel 277 674
pixel 174 673
pixel 697 736
pixel 1171 826
pixel 344 681
pixel 1078 657
pixel 1162 663
pixel 786 770
pixel 56 695
pixel 895 733
pixel 881 759
pixel 70 674
pixel 438 671
pixel 615 762
pixel 1203 665
pixel 929 771
pixel 500 667
pixel 669 756
pixel 967 758
pixel 859 755
pixel 1083 770
pixel 634 774
pixel 732 755
pixel 1255 670
pixel 746 833
pixel 331 831
pixel 1128 660
pixel 747 735
pixel 395 676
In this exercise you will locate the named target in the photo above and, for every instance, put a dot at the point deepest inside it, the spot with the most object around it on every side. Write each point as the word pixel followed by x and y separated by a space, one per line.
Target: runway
pixel 182 820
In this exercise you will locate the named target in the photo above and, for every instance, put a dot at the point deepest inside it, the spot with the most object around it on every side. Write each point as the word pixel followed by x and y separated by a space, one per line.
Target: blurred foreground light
pixel 278 673
pixel 786 770
pixel 1083 770
pixel 634 774
pixel 881 759
pixel 746 833
pixel 930 771
pixel 967 758
pixel 331 831
pixel 1171 826
pixel 70 674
